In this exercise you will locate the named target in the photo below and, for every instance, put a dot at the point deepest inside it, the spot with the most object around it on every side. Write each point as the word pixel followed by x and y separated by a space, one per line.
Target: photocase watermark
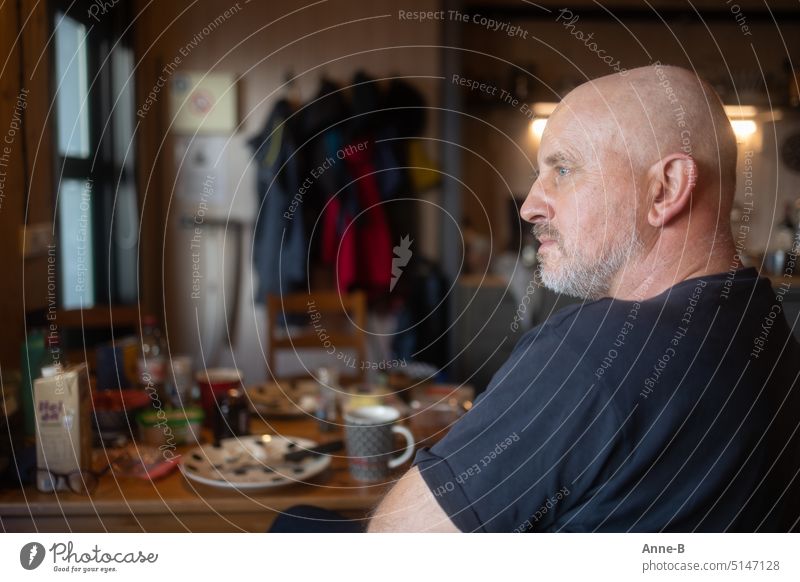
pixel 491 24
pixel 502 95
pixel 568 20
pixel 747 174
pixel 522 308
pixel 478 467
pixel 169 446
pixel 548 505
pixel 316 173
pixel 166 72
pixel 31 555
pixel 8 139
pixel 511 30
pixel 195 243
pixel 674 343
pixel 83 237
pixel 402 254
pixel 68 559
pixel 625 329
pixel 349 360
pixel 619 340
pixel 100 8
pixel 52 345
pixel 353 362
pixel 741 19
pixel 678 111
pixel 760 341
pixel 744 228
pixel 168 69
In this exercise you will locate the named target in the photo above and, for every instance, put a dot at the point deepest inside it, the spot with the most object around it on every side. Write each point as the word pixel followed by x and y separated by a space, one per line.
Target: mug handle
pixel 405 455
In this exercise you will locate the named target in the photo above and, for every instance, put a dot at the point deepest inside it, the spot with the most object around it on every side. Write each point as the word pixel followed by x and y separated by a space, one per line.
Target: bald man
pixel 667 399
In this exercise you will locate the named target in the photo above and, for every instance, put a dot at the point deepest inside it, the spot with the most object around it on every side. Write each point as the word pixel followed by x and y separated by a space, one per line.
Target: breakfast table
pixel 174 503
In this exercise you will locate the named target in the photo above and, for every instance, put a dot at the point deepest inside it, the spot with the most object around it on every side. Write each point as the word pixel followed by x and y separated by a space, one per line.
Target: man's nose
pixel 536 207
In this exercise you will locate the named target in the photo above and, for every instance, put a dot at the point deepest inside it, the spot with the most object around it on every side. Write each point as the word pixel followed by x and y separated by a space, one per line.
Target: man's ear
pixel 672 181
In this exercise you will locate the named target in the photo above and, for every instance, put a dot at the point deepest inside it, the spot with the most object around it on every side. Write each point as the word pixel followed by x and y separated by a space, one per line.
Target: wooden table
pixel 174 504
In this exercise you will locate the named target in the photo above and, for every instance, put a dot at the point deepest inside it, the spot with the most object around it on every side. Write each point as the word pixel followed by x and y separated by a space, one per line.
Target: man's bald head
pixel 634 167
pixel 650 112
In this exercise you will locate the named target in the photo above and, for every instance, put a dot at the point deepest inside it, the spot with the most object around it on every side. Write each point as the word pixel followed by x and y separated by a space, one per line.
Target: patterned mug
pixel 369 434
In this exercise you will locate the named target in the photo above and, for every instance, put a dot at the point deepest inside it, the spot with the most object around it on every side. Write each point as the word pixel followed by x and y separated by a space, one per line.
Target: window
pixel 73 88
pixel 96 199
pixel 76 242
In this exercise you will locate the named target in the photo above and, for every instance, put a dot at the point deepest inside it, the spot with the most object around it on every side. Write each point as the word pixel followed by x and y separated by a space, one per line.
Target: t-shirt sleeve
pixel 536 442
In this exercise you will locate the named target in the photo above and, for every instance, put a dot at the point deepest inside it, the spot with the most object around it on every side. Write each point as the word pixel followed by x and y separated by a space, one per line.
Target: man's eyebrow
pixel 557 158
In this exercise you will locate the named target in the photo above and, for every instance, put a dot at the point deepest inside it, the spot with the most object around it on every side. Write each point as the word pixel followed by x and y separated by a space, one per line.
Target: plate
pixel 251 462
pixel 286 399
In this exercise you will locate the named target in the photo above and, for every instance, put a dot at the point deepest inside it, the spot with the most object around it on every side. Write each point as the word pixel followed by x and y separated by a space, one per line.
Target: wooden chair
pixel 325 321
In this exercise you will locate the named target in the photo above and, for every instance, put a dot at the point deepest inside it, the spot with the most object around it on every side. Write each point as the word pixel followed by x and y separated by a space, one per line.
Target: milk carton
pixel 63 425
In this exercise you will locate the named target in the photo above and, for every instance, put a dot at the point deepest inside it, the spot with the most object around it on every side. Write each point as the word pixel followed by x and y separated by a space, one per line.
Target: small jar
pixel 231 417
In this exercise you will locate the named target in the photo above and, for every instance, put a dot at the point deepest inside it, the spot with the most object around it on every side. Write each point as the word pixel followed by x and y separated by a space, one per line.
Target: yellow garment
pixel 423 171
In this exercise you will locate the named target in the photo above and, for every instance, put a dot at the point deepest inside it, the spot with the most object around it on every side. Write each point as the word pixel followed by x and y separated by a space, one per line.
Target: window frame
pixel 100 166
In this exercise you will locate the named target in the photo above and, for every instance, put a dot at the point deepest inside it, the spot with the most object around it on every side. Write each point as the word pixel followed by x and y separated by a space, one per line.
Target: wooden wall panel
pixel 39 139
pixel 11 193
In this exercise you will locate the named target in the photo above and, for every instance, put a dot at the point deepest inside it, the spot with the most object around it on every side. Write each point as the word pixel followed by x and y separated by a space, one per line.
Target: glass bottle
pixel 151 364
pixel 328 379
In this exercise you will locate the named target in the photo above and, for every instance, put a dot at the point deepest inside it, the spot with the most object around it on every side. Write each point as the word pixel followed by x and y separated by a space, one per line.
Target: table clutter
pixel 367 417
pixel 141 433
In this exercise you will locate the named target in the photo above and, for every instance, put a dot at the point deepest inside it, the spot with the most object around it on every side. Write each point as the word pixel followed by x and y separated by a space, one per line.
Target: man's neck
pixel 656 271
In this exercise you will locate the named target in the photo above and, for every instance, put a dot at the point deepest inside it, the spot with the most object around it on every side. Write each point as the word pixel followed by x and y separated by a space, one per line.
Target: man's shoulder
pixel 557 349
pixel 566 315
pixel 585 321
pixel 569 323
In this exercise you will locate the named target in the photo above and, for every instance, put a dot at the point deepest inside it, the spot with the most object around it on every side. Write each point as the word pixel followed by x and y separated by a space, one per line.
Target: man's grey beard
pixel 583 278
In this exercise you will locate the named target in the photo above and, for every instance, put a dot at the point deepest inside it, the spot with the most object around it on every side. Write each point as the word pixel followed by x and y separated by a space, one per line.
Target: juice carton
pixel 62 402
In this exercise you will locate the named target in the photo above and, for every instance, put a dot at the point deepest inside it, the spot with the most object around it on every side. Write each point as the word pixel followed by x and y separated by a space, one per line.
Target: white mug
pixel 369 434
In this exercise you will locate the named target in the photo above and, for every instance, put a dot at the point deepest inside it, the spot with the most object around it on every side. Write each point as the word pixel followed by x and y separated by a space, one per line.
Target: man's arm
pixel 410 507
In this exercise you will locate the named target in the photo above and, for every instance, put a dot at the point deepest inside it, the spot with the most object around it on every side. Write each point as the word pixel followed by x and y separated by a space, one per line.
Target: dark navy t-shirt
pixel 676 413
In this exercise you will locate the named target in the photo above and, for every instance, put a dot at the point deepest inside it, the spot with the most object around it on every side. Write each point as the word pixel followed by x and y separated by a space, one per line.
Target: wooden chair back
pixel 326 321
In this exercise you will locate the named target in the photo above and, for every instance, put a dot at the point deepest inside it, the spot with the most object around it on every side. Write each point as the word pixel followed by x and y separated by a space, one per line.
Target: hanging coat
pixel 279 239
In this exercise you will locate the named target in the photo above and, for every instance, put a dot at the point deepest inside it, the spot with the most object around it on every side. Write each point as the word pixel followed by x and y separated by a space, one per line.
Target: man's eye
pixel 562 172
